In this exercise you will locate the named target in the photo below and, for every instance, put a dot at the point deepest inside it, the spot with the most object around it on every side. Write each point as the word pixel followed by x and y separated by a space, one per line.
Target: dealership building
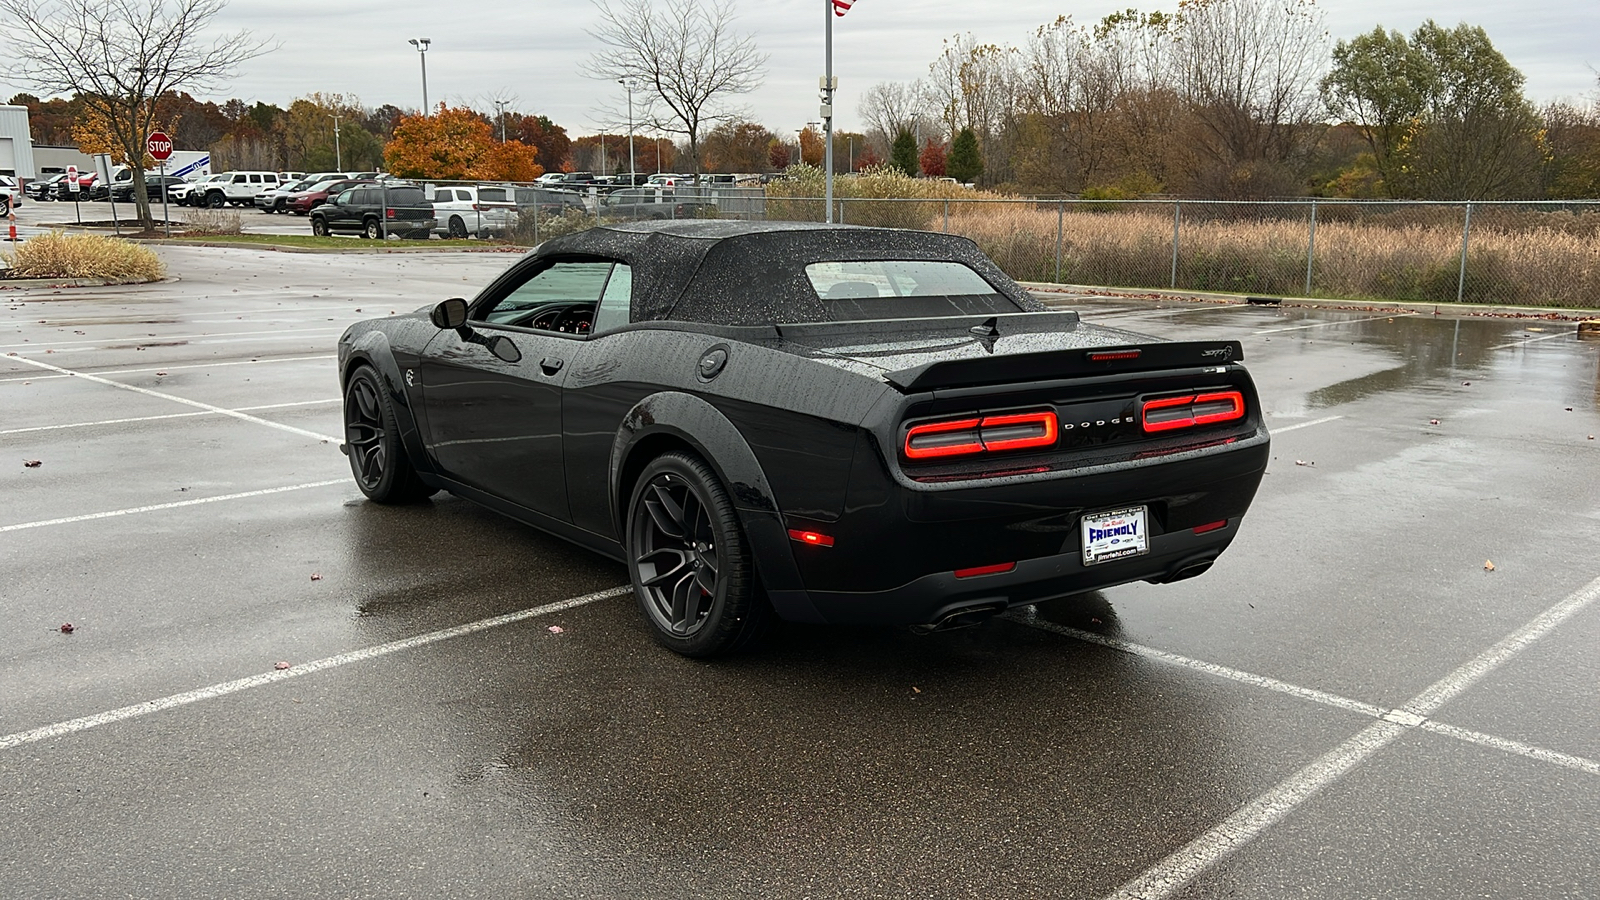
pixel 16 144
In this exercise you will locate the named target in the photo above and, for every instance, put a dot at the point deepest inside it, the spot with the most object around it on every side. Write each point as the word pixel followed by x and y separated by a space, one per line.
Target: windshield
pixel 902 288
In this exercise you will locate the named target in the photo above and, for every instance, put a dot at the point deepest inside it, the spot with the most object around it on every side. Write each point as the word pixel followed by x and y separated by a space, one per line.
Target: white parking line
pixel 1331 324
pixel 186 415
pixel 176 399
pixel 1299 425
pixel 1217 843
pixel 155 507
pixel 157 338
pixel 213 365
pixel 1398 717
pixel 1547 337
pixel 329 662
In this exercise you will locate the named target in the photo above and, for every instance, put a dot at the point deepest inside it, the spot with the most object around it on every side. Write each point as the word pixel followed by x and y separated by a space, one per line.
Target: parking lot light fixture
pixel 631 168
pixel 502 106
pixel 422 53
pixel 338 157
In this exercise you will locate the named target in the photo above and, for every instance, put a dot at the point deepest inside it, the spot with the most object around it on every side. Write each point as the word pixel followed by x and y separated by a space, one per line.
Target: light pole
pixel 502 105
pixel 658 154
pixel 422 53
pixel 629 85
pixel 338 157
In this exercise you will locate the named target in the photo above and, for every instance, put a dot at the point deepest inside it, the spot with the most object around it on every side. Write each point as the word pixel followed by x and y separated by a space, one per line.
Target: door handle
pixel 550 365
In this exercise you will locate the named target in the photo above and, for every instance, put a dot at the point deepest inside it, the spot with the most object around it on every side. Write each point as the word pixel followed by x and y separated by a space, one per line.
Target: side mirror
pixel 450 313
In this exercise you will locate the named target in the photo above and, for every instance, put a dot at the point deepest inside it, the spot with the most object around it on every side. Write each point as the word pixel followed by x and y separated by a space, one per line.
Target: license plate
pixel 1115 534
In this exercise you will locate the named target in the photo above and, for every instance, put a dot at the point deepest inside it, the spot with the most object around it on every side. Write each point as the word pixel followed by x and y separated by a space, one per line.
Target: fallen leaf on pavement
pixel 315 576
pixel 280 665
pixel 1433 421
pixel 32 463
pixel 1302 462
pixel 556 629
pixel 1488 566
pixel 66 628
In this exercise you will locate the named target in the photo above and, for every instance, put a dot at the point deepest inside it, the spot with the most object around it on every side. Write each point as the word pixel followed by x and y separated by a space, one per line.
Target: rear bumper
pixel 938 597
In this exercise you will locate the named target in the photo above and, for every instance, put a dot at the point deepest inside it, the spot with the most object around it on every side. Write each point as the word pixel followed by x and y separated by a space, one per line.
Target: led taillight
pixel 1019 431
pixel 1112 355
pixel 954 438
pixel 1168 413
pixel 962 437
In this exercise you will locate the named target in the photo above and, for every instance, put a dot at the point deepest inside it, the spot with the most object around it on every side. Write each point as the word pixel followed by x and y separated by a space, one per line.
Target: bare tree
pixel 119 56
pixel 685 54
pixel 891 107
pixel 1249 70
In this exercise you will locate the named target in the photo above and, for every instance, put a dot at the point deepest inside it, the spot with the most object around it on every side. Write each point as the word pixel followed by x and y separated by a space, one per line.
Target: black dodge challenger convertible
pixel 822 423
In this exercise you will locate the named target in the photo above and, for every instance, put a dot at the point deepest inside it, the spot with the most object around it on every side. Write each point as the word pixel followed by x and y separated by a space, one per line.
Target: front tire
pixel 319 226
pixel 458 228
pixel 216 200
pixel 378 458
pixel 689 562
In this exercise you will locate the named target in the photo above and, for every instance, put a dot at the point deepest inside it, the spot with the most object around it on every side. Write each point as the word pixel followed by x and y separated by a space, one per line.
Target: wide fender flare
pixel 702 426
pixel 372 348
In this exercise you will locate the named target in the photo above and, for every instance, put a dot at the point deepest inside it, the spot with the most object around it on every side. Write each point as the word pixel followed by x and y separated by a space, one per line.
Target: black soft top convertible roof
pixel 725 272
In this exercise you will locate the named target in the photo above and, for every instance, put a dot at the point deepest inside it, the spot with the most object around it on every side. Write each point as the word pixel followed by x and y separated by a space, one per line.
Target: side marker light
pixel 995 569
pixel 810 537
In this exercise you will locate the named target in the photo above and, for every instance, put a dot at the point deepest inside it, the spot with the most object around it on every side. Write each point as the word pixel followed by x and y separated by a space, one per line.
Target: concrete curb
pixel 77 282
pixel 1462 310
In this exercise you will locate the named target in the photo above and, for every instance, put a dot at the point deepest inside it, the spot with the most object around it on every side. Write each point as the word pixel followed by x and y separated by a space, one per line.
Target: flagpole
pixel 827 112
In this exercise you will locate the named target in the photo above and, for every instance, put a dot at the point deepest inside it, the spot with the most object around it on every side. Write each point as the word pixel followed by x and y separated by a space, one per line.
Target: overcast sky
pixel 539 52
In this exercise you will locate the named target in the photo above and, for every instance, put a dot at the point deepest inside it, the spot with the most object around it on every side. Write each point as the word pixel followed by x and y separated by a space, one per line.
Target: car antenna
pixel 988 328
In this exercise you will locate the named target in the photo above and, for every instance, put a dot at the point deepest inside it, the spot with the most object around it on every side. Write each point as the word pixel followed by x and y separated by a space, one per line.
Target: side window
pixel 270 179
pixel 345 199
pixel 616 304
pixel 255 179
pixel 238 179
pixel 562 286
pixel 463 195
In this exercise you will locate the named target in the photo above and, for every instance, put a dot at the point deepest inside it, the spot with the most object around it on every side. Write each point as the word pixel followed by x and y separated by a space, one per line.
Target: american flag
pixel 840 7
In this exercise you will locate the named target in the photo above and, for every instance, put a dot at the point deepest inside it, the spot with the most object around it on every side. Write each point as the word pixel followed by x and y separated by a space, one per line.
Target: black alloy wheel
pixel 458 228
pixel 216 200
pixel 691 568
pixel 374 231
pixel 319 226
pixel 372 441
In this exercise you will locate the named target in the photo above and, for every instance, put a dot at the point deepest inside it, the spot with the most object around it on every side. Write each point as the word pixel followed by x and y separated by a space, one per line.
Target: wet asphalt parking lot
pixel 1349 704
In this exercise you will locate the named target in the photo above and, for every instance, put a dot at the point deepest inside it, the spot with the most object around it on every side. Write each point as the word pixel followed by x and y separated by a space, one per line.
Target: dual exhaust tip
pixel 979 611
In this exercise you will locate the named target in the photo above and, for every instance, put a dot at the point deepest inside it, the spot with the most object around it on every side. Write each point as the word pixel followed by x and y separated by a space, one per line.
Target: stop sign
pixel 159 145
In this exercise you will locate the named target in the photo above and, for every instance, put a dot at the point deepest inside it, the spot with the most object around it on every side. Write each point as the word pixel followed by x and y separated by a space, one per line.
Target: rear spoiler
pixel 1053 364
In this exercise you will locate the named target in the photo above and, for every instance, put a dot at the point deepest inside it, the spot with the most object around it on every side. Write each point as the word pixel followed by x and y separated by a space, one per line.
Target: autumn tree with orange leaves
pixel 456 143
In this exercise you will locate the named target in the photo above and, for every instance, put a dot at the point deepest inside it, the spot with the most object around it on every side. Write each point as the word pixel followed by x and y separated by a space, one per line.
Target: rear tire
pixel 690 565
pixel 378 458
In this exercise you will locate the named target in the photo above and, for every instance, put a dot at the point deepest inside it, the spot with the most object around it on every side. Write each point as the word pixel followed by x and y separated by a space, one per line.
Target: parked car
pixel 188 194
pixel 376 211
pixel 820 423
pixel 10 197
pixel 123 193
pixel 45 188
pixel 654 203
pixel 459 211
pixel 86 183
pixel 551 178
pixel 303 202
pixel 276 200
pixel 235 188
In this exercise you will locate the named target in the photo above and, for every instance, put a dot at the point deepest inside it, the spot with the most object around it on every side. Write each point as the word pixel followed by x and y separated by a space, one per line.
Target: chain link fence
pixel 1531 253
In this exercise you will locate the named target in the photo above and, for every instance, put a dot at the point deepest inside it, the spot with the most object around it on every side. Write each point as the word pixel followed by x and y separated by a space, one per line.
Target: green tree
pixel 903 154
pixel 1380 83
pixel 965 162
pixel 1443 113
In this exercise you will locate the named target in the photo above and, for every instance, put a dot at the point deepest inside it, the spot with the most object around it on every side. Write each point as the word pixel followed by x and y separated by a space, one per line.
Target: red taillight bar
pixel 950 445
pixel 1010 431
pixel 1191 410
pixel 1112 355
pixel 963 437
